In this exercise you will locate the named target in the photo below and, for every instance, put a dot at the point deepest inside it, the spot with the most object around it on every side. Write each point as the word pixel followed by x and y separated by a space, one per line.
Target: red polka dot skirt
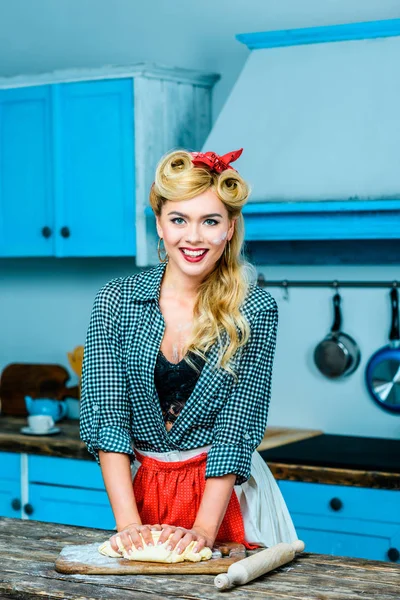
pixel 171 492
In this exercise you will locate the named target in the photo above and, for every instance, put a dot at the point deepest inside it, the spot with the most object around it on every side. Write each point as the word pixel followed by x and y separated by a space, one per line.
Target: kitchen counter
pixel 68 444
pixel 291 454
pixel 28 550
pixel 339 460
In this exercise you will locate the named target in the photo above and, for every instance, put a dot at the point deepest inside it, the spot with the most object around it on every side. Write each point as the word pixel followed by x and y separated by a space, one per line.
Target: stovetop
pixel 340 451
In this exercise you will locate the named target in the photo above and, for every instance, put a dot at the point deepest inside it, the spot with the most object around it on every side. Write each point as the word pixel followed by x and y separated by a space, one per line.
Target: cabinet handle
pixel 393 554
pixel 16 504
pixel 65 232
pixel 28 509
pixel 336 504
pixel 46 232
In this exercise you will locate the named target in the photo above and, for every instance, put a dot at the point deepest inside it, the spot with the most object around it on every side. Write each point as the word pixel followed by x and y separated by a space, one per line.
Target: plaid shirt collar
pixel 148 285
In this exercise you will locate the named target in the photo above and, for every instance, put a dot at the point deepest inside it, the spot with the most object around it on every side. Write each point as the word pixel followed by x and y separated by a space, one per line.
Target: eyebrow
pixel 175 212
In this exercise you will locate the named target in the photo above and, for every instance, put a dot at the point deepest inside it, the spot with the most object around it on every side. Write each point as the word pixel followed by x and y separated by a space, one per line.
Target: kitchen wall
pixel 45 35
pixel 45 307
pixel 45 303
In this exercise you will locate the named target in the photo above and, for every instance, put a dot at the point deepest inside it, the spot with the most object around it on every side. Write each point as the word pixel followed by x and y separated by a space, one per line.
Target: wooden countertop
pixel 67 444
pixel 28 550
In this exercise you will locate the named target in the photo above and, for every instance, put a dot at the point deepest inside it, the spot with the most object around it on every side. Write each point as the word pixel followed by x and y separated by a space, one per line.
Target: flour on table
pixel 156 553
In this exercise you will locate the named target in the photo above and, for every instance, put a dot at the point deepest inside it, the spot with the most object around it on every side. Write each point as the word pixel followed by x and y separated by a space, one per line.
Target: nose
pixel 193 234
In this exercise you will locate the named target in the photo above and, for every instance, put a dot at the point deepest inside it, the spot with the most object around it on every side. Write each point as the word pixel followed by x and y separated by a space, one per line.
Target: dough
pixel 156 553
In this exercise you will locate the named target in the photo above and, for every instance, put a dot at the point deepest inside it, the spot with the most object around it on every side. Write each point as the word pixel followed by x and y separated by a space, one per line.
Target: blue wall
pixel 45 303
pixel 45 307
pixel 45 35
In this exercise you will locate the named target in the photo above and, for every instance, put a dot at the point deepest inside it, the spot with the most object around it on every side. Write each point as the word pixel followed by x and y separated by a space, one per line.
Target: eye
pixel 212 221
pixel 175 219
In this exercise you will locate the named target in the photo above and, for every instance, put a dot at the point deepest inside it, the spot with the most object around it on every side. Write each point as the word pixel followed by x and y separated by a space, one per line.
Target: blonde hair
pixel 221 294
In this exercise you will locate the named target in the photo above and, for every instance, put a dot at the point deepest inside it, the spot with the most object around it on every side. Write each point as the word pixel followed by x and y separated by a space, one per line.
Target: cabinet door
pixel 69 491
pixel 10 485
pixel 26 216
pixel 70 506
pixel 349 537
pixel 95 214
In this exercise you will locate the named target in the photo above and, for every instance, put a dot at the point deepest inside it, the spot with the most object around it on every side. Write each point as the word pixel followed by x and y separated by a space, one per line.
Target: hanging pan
pixel 382 373
pixel 338 354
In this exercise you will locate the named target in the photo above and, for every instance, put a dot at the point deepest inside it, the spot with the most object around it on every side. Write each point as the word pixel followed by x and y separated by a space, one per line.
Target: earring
pixel 227 252
pixel 159 250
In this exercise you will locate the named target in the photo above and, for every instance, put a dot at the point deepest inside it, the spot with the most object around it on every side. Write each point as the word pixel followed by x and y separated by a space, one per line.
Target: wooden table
pixel 28 550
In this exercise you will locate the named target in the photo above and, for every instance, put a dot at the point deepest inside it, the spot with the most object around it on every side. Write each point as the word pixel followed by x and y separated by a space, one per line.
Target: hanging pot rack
pixel 335 283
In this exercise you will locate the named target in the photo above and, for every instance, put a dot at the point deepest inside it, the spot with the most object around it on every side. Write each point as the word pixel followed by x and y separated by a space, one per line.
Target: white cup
pixel 40 423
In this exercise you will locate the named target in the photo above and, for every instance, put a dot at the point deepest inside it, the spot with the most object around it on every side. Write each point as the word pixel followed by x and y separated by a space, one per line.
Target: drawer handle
pixel 16 504
pixel 28 509
pixel 393 554
pixel 336 504
pixel 46 232
pixel 65 232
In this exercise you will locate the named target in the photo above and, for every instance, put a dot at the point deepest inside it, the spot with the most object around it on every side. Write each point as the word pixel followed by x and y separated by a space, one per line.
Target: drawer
pixel 347 537
pixel 10 466
pixel 71 506
pixel 65 471
pixel 342 501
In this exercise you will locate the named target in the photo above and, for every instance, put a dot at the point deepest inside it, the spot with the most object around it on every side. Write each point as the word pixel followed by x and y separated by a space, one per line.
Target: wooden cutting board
pixel 279 436
pixel 36 380
pixel 87 560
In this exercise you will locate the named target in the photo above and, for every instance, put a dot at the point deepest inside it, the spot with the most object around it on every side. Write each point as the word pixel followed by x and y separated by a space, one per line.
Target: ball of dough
pixel 156 553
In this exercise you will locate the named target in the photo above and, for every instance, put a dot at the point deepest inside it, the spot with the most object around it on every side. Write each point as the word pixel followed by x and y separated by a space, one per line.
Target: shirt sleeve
pixel 240 426
pixel 105 418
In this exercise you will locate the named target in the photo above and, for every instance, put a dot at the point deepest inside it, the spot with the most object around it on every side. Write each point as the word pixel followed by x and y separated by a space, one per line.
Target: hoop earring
pixel 159 250
pixel 227 253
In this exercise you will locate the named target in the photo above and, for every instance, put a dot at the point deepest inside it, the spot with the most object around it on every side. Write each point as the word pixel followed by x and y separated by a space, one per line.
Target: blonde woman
pixel 177 374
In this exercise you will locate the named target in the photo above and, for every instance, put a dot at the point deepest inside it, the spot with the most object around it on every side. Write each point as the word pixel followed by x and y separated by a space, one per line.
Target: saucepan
pixel 338 355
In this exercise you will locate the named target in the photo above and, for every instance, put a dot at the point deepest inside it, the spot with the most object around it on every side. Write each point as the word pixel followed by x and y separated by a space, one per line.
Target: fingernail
pixel 159 543
pixel 149 544
pixel 140 548
pixel 169 547
pixel 195 549
pixel 178 550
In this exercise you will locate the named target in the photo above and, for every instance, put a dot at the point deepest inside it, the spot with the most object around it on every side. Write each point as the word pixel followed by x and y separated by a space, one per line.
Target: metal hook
pixel 285 286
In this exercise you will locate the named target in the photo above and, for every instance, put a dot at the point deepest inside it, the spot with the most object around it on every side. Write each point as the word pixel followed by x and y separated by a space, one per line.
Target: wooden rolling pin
pixel 254 566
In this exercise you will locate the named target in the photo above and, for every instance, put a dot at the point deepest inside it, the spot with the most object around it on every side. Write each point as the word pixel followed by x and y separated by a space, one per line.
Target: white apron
pixel 265 515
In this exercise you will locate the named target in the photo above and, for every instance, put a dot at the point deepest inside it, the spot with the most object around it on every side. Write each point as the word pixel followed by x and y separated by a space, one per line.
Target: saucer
pixel 51 431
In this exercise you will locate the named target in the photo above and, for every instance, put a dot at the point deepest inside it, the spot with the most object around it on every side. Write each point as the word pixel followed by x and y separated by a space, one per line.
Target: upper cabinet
pixel 26 174
pixel 78 153
pixel 94 168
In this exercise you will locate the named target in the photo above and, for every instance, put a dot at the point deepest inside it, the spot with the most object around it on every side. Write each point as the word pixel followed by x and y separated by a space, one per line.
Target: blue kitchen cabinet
pixel 345 521
pixel 10 485
pixel 26 185
pixel 67 170
pixel 94 169
pixel 68 491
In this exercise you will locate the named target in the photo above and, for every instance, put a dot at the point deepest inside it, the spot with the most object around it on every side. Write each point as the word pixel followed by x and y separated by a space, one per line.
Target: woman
pixel 177 374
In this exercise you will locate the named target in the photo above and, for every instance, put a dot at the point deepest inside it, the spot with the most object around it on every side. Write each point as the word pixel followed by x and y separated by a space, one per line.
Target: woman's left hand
pixel 181 538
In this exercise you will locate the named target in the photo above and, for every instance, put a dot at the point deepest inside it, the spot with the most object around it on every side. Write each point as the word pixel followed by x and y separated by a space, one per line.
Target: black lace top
pixel 175 383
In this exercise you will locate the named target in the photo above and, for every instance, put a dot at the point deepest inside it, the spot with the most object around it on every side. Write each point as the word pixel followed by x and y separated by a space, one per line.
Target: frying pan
pixel 382 373
pixel 338 354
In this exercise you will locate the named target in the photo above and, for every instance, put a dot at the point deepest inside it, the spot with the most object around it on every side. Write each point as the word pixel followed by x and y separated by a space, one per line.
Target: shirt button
pixel 246 436
pixel 95 407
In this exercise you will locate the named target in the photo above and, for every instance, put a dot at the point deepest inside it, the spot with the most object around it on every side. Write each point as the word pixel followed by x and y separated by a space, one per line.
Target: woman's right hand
pixel 131 536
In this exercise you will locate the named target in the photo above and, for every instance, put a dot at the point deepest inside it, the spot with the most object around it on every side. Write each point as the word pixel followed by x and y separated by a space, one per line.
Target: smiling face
pixel 195 232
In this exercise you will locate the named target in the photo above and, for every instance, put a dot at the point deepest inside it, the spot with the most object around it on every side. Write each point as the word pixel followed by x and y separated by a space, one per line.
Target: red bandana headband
pixel 215 162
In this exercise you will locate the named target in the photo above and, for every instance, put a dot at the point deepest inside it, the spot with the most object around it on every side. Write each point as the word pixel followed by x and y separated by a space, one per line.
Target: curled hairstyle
pixel 220 295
